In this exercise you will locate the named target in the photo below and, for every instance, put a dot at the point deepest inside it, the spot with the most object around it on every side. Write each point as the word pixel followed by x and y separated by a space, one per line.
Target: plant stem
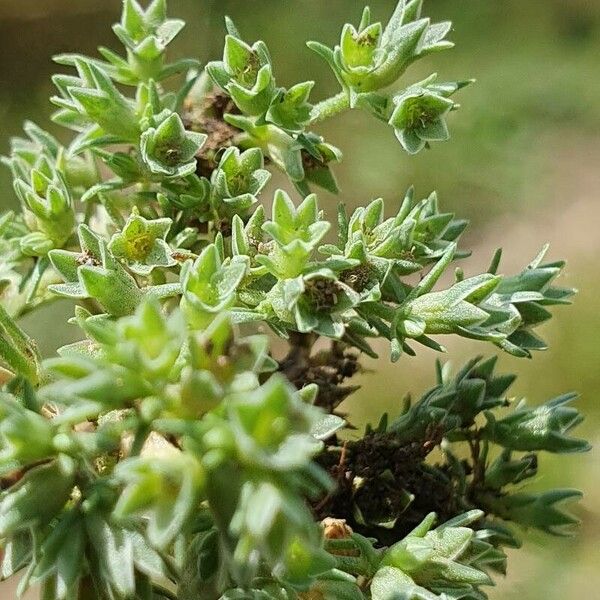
pixel 141 435
pixel 19 337
pixel 17 349
pixel 91 305
pixel 163 591
pixel 330 107
pixel 15 360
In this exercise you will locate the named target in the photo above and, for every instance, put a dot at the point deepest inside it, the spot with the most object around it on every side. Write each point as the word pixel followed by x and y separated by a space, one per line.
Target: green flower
pixel 95 273
pixel 321 303
pixel 295 232
pixel 146 35
pixel 262 421
pixel 419 118
pixel 358 47
pixel 317 302
pixel 278 145
pixel 169 149
pixel 290 109
pixel 372 57
pixel 141 244
pixel 245 73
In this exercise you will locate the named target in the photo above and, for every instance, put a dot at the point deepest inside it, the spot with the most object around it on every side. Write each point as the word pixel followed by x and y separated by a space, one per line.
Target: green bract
pixel 238 180
pixel 209 285
pixel 174 451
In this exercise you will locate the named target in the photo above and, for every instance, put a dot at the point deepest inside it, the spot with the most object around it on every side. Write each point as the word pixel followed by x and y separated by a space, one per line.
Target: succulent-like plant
pixel 170 454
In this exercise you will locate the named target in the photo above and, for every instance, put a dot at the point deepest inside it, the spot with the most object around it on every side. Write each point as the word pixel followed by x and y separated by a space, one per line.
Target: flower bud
pixel 245 73
pixel 49 203
pixel 36 243
pixel 238 180
pixel 209 286
pixel 537 428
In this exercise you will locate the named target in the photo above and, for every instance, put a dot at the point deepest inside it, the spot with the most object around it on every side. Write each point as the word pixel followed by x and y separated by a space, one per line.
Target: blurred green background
pixel 523 164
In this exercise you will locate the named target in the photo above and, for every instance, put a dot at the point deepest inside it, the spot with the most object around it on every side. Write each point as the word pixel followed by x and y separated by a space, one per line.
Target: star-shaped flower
pixel 419 118
pixel 141 244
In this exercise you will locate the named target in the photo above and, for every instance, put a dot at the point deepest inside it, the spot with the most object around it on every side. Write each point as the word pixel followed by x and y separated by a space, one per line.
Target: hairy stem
pixel 329 369
pixel 330 107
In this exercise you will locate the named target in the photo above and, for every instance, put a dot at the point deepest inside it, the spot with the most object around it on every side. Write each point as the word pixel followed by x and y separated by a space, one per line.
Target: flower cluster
pixel 171 452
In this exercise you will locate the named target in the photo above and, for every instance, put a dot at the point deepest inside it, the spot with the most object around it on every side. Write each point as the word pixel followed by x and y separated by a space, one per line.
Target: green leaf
pixel 542 511
pixel 539 428
pixel 390 583
pixel 114 553
pixel 327 426
pixel 37 497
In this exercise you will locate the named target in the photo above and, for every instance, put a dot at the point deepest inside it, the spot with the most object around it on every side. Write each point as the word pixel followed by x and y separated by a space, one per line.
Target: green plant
pixel 170 454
